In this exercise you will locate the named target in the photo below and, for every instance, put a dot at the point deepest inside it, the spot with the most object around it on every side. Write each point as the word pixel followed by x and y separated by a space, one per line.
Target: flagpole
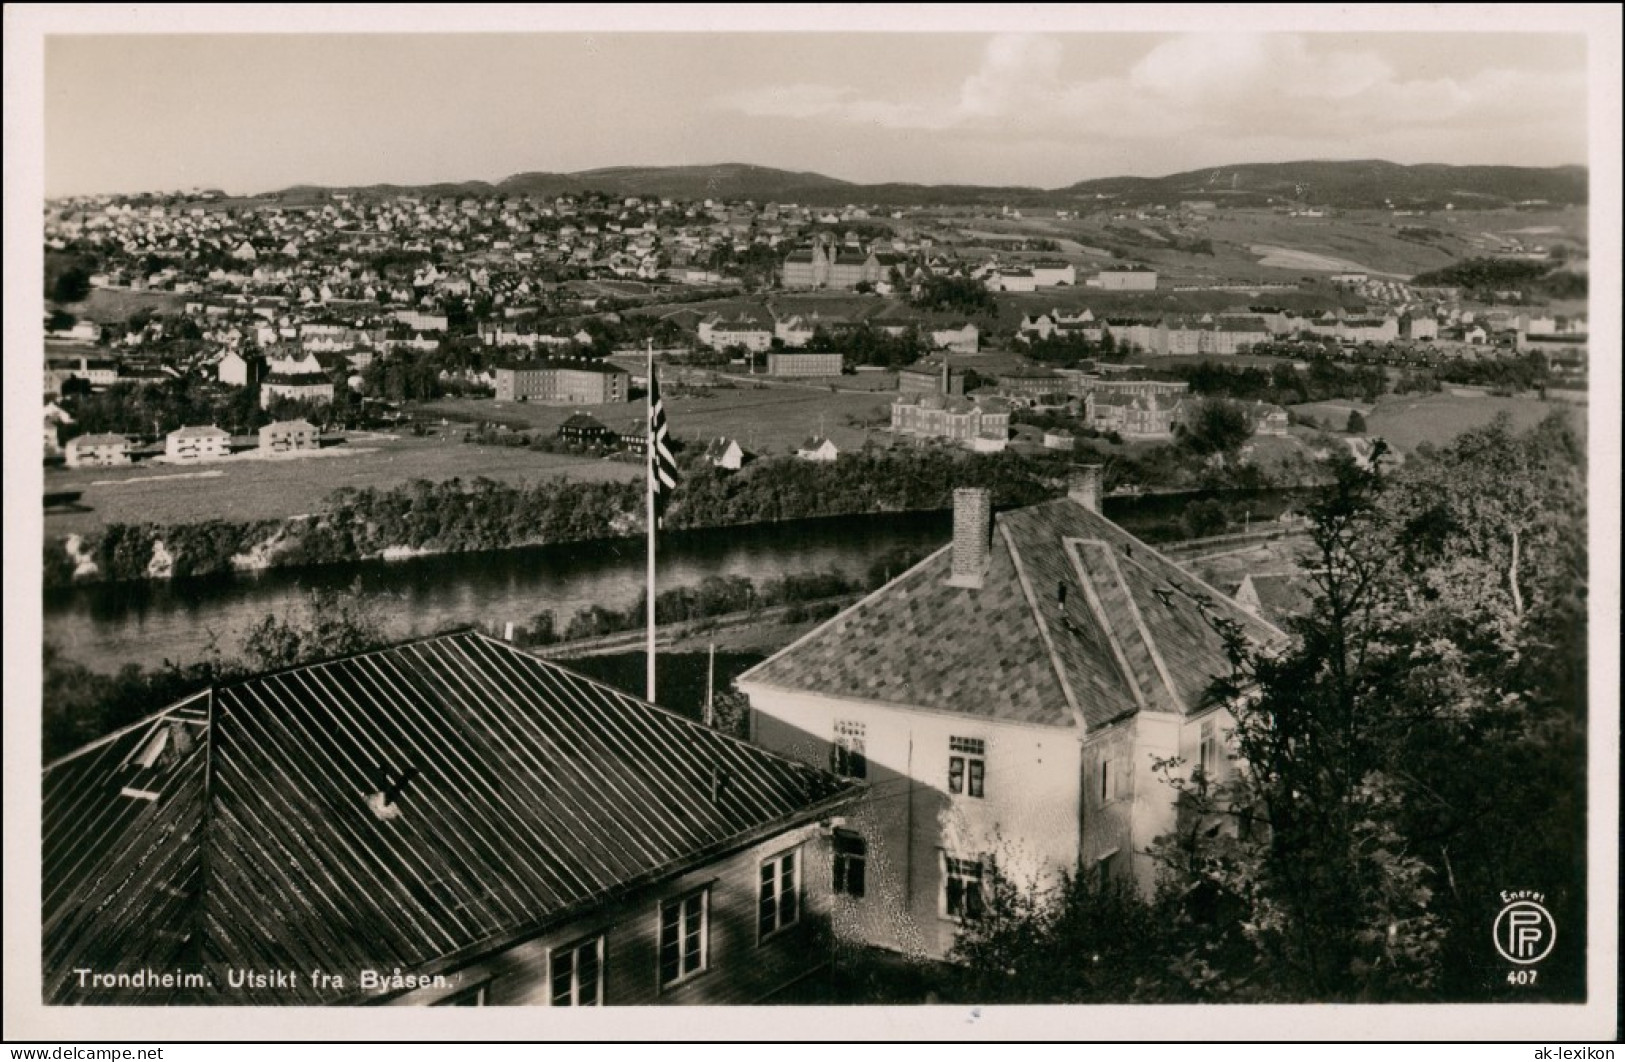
pixel 649 491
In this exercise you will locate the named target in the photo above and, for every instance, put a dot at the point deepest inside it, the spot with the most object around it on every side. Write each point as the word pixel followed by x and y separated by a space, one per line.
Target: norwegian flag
pixel 662 466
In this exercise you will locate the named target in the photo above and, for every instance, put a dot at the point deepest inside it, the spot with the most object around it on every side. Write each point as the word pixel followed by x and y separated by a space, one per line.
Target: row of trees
pixel 1417 748
pixel 716 595
pixel 468 516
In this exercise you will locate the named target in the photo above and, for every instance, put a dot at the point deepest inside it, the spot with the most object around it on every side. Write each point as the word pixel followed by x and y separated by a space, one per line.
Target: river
pixel 105 626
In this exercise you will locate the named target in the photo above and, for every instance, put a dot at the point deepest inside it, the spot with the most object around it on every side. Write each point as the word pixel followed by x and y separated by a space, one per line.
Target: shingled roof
pixel 243 827
pixel 1133 631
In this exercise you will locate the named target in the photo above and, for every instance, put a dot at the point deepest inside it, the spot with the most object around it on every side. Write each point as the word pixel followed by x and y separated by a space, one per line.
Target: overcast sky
pixel 258 112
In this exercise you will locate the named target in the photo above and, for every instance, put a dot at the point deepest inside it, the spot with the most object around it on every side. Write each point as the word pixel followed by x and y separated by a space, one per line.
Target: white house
pixel 285 436
pixel 203 442
pixel 1005 700
pixel 87 451
pixel 725 453
pixel 818 448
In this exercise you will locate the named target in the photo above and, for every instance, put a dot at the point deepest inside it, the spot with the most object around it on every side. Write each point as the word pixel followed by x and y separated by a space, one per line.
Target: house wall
pixel 740 968
pixel 195 447
pixel 1027 818
pixel 1108 818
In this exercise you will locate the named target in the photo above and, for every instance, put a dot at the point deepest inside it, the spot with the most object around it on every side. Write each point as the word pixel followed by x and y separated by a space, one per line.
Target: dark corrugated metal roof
pixel 1135 632
pixel 536 792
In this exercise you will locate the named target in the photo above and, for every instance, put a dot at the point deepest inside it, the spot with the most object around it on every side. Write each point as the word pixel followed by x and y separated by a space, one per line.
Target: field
pixel 247 489
pixel 767 420
pixel 1407 421
pixel 1250 245
pixel 110 305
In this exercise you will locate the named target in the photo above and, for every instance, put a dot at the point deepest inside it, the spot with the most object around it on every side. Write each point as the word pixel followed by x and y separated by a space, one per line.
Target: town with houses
pixel 456 820
pixel 297 300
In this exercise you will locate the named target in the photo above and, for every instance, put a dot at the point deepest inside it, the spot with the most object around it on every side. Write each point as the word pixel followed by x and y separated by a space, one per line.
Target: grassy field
pixel 767 420
pixel 108 306
pixel 247 489
pixel 1407 421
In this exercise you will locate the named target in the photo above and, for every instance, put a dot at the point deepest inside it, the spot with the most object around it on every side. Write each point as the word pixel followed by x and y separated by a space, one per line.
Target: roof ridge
pixel 146 720
pixel 1145 632
pixel 1097 607
pixel 1043 628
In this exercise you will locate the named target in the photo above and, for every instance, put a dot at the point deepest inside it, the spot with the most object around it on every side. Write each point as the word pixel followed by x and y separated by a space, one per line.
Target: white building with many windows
pixel 1004 701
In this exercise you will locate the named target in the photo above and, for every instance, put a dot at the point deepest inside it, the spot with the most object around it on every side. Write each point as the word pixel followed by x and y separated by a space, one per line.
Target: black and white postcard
pixel 1048 523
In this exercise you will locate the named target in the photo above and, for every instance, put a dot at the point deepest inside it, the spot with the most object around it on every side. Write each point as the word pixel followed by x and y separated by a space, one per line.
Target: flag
pixel 662 466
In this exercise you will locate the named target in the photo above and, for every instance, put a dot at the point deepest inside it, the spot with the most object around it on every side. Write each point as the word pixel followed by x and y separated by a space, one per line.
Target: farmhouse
pixel 818 448
pixel 1005 700
pixel 585 429
pixel 474 824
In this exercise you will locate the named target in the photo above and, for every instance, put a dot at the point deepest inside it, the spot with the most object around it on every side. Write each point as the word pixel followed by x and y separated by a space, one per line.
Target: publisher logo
pixel 1524 931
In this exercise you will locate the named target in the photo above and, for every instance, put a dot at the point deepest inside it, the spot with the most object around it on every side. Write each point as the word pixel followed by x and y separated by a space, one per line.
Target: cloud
pixel 1279 89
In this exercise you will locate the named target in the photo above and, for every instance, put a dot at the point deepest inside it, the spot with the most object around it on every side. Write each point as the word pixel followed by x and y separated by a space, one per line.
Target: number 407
pixel 1521 977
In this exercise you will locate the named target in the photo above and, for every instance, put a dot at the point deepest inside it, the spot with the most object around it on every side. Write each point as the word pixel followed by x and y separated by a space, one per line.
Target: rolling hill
pixel 1337 184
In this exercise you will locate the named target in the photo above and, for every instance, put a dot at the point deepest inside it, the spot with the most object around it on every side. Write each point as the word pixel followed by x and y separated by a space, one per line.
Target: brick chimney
pixel 973 534
pixel 1083 487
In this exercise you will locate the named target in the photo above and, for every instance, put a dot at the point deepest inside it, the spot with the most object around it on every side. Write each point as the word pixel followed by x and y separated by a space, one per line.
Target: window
pixel 683 937
pixel 1106 868
pixel 475 996
pixel 576 974
pixel 851 855
pixel 1113 784
pixel 961 887
pixel 779 895
pixel 967 773
pixel 847 757
pixel 1208 756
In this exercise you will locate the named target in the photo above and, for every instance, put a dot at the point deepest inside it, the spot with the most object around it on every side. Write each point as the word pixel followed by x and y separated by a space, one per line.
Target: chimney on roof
pixel 973 533
pixel 1083 487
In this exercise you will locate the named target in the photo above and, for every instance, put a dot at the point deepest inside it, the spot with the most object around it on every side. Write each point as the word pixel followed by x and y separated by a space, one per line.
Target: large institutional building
pixel 576 382
pixel 826 266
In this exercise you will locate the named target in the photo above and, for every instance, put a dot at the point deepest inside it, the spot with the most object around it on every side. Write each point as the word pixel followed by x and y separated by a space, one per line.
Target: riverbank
pixel 422 518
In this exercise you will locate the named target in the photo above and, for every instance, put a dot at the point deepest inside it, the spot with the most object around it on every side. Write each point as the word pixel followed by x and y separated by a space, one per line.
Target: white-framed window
pixel 685 932
pixel 1208 751
pixel 575 974
pixel 778 894
pixel 847 757
pixel 473 996
pixel 963 888
pixel 851 859
pixel 967 767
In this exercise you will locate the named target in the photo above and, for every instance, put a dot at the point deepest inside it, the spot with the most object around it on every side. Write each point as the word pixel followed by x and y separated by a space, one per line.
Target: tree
pixel 1414 747
pixel 71 285
pixel 336 623
pixel 1216 427
pixel 1356 424
pixel 1333 904
pixel 1080 940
